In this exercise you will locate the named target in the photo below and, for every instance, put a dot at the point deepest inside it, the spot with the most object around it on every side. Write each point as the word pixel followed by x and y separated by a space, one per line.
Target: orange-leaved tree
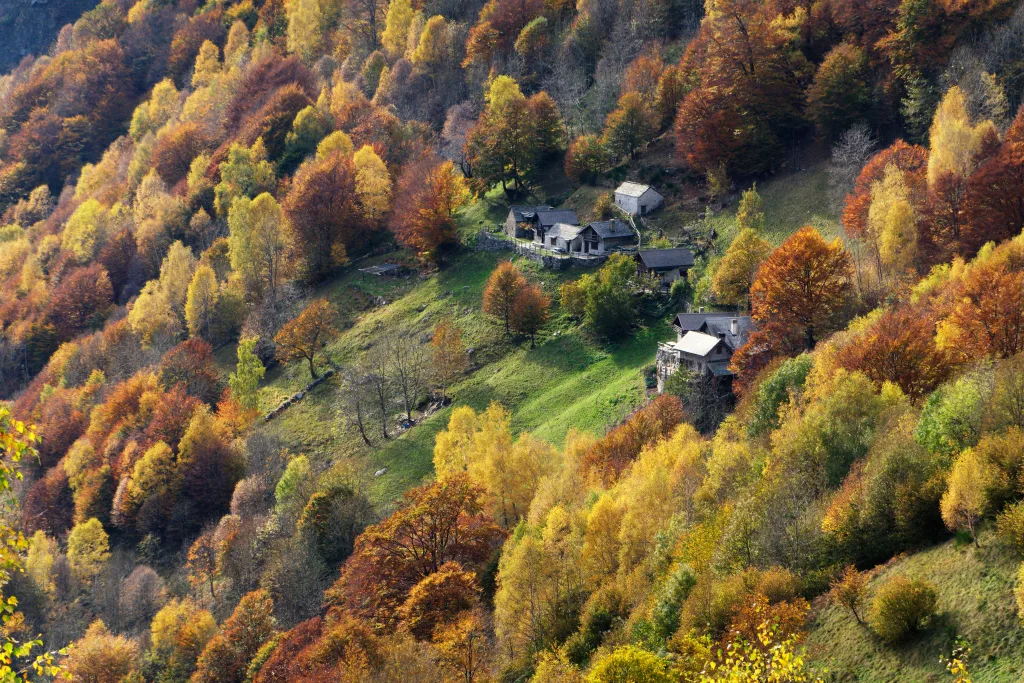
pixel 799 295
pixel 429 193
pixel 228 654
pixel 303 336
pixel 437 523
pixel 503 286
pixel 449 354
pixel 531 310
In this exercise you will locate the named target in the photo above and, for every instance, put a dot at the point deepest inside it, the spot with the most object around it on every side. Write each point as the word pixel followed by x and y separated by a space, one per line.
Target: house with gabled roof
pixel 637 199
pixel 705 343
pixel 531 222
pixel 593 239
pixel 667 264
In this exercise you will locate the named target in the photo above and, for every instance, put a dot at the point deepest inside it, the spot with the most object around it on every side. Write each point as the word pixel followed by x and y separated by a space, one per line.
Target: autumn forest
pixel 514 341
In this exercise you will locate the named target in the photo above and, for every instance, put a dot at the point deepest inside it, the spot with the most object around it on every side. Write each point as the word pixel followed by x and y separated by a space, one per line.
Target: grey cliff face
pixel 29 27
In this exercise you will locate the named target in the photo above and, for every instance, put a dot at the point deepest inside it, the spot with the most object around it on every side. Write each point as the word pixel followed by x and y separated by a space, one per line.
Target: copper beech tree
pixel 501 290
pixel 798 296
pixel 530 312
pixel 429 193
pixel 304 336
pixel 437 523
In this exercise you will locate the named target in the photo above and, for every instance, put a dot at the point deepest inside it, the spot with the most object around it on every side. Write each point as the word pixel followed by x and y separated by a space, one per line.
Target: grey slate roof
pixel 611 229
pixel 631 189
pixel 564 230
pixel 718 325
pixel 666 259
pixel 524 213
pixel 548 217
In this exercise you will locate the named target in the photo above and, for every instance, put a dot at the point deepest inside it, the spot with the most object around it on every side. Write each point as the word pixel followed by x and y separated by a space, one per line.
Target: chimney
pixel 734 326
pixel 701 309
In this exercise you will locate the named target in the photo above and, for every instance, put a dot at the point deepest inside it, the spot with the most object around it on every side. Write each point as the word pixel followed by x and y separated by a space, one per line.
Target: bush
pixel 901 607
pixel 1010 527
pixel 775 391
pixel 1018 592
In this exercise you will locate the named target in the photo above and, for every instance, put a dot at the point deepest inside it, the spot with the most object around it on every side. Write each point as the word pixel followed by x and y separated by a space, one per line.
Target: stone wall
pixel 486 241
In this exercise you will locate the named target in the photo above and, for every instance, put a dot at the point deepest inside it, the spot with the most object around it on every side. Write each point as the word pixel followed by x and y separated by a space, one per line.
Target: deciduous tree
pixel 586 158
pixel 88 549
pixel 226 657
pixel 799 294
pixel 448 353
pixel 304 336
pixel 201 303
pixel 530 311
pixel 436 523
pixel 503 286
pixel 373 183
pixel 257 243
pixel 249 370
pixel 738 268
pixel 429 193
pixel 966 498
pixel 325 220
pixel 630 126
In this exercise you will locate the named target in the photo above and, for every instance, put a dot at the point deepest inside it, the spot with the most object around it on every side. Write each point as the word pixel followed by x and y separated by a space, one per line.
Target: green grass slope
pixel 975 601
pixel 567 381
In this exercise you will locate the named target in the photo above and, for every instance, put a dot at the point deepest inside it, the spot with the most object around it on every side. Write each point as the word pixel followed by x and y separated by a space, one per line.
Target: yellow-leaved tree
pixel 966 496
pixel 17 663
pixel 396 27
pixel 953 139
pixel 738 268
pixel 481 445
pixel 373 183
pixel 891 220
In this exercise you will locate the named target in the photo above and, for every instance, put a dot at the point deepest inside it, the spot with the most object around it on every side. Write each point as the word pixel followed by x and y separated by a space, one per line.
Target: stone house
pixel 598 238
pixel 668 264
pixel 531 222
pixel 705 343
pixel 637 199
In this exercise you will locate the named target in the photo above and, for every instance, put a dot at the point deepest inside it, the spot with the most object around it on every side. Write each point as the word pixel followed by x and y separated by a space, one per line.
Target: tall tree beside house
pixel 630 126
pixel 511 136
pixel 304 336
pixel 738 268
pixel 750 213
pixel 501 291
pixel 798 296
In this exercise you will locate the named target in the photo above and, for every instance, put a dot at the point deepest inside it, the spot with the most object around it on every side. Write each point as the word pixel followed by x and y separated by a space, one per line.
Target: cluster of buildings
pixel 560 231
pixel 705 342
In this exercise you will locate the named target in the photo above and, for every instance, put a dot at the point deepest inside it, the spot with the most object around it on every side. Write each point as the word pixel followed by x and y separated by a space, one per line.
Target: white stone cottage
pixel 637 199
pixel 705 343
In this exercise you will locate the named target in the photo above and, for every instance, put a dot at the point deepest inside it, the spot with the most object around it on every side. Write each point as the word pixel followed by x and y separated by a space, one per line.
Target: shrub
pixel 1018 592
pixel 900 608
pixel 1010 527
